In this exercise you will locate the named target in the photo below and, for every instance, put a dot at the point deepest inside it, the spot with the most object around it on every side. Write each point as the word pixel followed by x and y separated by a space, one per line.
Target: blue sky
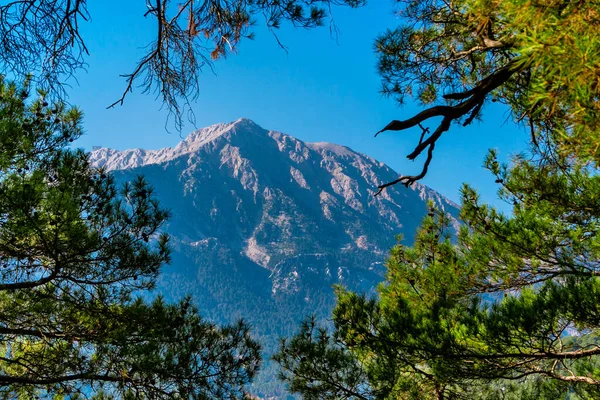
pixel 322 89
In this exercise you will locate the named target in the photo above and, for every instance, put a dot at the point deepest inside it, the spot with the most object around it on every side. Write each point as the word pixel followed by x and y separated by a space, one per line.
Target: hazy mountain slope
pixel 264 224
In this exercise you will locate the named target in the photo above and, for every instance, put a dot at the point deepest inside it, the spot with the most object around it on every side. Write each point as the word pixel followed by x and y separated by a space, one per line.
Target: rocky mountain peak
pixel 284 195
pixel 263 224
pixel 242 129
pixel 211 133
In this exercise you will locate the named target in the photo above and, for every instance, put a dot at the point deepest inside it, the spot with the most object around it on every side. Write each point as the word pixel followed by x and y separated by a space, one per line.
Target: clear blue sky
pixel 321 90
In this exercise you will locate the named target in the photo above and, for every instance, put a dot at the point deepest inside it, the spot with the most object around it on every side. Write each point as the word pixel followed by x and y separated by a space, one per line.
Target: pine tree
pixel 75 254
pixel 510 299
pixel 507 307
pixel 539 58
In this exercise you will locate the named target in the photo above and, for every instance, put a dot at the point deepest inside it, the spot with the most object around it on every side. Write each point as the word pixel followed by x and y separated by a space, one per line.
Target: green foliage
pixel 511 303
pixel 509 307
pixel 316 366
pixel 73 251
pixel 515 297
pixel 540 58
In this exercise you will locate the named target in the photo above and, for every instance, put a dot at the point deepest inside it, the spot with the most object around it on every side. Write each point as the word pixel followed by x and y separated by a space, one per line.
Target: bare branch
pixel 471 105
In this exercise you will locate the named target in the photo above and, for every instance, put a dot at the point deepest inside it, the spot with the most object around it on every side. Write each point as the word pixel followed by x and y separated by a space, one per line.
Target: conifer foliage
pixel 512 305
pixel 540 58
pixel 75 251
pixel 508 307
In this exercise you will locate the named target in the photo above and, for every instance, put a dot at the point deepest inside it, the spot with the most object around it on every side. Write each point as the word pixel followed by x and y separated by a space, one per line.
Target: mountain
pixel 264 224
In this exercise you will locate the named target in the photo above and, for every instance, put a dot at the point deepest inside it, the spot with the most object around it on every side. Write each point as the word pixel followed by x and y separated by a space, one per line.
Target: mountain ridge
pixel 116 159
pixel 264 224
pixel 113 159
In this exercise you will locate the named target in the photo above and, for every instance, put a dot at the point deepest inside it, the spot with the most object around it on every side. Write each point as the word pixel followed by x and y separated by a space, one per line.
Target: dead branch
pixel 470 107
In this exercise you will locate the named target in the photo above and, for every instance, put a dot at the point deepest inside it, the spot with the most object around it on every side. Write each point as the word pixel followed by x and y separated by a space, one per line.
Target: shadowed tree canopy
pixel 74 248
pixel 42 38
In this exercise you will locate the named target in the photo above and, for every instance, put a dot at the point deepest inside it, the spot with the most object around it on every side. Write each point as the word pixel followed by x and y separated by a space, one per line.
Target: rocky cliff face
pixel 264 224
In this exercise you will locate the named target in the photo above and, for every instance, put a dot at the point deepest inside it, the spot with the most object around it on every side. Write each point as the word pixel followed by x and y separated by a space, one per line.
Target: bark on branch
pixel 469 107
